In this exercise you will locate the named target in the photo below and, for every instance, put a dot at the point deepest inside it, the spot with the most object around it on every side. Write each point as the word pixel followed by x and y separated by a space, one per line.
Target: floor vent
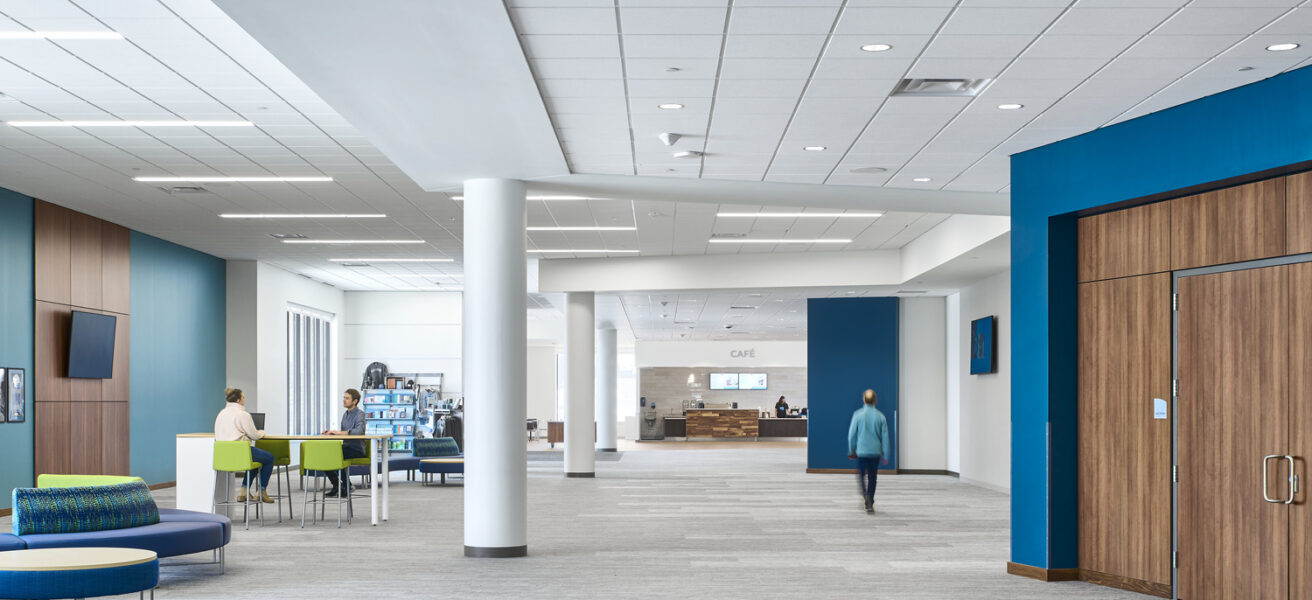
pixel 951 88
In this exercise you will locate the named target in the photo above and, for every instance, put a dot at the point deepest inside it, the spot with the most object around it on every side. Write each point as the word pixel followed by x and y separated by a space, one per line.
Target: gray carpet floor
pixel 736 521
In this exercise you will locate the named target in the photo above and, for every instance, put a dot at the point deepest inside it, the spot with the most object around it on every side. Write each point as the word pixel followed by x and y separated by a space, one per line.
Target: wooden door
pixel 1300 429
pixel 1233 409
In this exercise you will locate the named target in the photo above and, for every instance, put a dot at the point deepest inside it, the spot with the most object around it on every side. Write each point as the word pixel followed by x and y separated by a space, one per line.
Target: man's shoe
pixel 330 493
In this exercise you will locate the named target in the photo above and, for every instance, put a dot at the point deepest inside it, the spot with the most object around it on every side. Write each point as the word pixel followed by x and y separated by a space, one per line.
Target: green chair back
pixel 322 455
pixel 280 449
pixel 233 457
pixel 50 480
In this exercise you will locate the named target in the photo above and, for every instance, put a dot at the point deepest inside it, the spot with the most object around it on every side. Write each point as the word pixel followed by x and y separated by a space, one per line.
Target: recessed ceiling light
pixel 922 180
pixel 208 179
pixel 60 35
pixel 813 148
pixel 581 228
pixel 584 251
pixel 669 106
pixel 778 241
pixel 876 47
pixel 353 241
pixel 1282 47
pixel 29 124
pixel 392 260
pixel 1010 106
pixel 795 215
pixel 298 216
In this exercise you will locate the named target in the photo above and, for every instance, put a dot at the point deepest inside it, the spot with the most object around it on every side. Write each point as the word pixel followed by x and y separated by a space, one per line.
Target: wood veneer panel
pixel 53 428
pixel 723 423
pixel 86 442
pixel 1245 222
pixel 1298 213
pixel 115 437
pixel 52 252
pixel 1124 452
pixel 1233 347
pixel 1125 583
pixel 1134 241
pixel 48 377
pixel 117 388
pixel 116 268
pixel 84 264
pixel 1300 431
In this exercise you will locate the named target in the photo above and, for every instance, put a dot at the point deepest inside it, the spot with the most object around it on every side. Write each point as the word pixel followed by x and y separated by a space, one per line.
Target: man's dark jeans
pixel 867 476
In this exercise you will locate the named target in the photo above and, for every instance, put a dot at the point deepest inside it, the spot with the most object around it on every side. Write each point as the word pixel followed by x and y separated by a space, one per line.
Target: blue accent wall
pixel 851 346
pixel 177 344
pixel 16 334
pixel 1257 127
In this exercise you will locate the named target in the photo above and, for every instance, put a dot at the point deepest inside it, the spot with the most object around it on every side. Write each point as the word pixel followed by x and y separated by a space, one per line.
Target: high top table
pixel 198 482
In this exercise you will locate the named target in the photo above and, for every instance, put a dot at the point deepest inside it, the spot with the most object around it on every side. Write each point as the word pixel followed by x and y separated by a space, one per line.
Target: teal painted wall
pixel 16 308
pixel 177 344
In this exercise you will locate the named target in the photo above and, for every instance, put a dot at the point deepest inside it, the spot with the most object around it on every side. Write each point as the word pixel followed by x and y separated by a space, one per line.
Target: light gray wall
pixel 985 404
pixel 922 409
pixel 668 387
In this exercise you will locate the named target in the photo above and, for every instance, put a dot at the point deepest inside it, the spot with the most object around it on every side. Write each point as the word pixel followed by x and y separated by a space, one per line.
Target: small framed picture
pixel 15 394
pixel 4 396
pixel 984 346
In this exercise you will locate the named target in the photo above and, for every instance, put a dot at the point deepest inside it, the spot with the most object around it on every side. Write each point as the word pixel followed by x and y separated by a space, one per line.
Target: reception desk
pixel 723 422
pixel 677 427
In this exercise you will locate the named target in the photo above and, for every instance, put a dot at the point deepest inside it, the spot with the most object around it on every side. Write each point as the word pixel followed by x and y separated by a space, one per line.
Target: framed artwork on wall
pixel 15 393
pixel 4 396
pixel 984 345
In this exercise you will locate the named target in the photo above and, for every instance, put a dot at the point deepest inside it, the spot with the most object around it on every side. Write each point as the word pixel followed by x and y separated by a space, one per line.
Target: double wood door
pixel 1244 364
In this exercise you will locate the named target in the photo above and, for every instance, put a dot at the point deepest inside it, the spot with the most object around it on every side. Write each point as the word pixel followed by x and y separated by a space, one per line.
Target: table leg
pixel 373 482
pixel 386 475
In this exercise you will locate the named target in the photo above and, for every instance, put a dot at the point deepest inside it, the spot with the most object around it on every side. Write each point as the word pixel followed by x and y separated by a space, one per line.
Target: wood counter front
pixel 723 422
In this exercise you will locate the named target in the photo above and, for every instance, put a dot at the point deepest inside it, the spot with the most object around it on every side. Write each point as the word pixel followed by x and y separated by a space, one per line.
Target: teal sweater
pixel 868 434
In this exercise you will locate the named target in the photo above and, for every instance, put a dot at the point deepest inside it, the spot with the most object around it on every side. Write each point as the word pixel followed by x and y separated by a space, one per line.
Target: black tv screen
pixel 91 346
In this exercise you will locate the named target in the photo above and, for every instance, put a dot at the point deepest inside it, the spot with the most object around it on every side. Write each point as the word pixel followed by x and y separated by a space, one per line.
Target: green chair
pixel 364 462
pixel 235 458
pixel 317 458
pixel 282 457
pixel 52 480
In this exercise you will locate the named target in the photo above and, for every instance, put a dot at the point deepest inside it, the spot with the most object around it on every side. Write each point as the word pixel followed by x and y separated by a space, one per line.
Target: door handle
pixel 1265 460
pixel 1293 480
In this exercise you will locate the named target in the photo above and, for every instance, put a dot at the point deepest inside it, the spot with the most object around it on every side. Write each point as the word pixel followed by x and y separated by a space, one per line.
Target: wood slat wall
pixel 82 263
pixel 723 423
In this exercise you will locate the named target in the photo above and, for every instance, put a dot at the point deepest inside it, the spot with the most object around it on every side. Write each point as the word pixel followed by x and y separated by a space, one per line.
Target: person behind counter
pixel 352 424
pixel 781 408
pixel 234 424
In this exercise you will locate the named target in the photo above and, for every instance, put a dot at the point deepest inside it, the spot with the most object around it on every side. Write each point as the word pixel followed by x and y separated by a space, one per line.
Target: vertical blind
pixel 309 368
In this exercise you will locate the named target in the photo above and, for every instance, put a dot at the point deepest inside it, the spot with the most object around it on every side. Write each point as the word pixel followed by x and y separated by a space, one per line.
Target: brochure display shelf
pixel 392 412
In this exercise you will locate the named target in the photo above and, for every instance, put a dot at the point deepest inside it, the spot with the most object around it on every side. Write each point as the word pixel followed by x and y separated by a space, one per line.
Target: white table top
pixel 67 559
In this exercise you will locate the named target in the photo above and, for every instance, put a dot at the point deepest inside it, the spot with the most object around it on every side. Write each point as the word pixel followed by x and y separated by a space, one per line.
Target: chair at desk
pixel 282 460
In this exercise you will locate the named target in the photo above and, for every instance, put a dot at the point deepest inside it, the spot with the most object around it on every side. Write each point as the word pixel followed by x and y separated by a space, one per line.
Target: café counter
pixel 731 423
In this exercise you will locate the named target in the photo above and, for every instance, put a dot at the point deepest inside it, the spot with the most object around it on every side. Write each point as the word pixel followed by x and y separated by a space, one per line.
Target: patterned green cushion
pixel 430 447
pixel 88 508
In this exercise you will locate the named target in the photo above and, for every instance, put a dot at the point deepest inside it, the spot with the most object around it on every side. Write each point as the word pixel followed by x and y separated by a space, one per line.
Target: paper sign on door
pixel 1159 408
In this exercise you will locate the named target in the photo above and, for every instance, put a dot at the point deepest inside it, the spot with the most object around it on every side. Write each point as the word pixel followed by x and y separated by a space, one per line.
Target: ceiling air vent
pixel 912 292
pixel 952 88
pixel 186 189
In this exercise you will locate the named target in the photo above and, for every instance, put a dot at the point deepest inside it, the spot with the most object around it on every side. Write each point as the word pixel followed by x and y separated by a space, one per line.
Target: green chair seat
pixel 321 456
pixel 235 457
pixel 282 457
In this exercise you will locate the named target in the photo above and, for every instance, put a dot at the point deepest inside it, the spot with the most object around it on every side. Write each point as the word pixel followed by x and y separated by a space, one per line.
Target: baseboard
pixel 852 471
pixel 5 512
pixel 1042 574
pixel 927 472
pixel 1161 590
pixel 160 486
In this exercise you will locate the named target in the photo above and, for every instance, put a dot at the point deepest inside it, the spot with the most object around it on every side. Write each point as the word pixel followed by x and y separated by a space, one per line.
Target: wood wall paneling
pixel 117 269
pixel 1298 213
pixel 86 442
pixel 52 252
pixel 49 382
pixel 53 428
pixel 85 264
pixel 115 433
pixel 1235 224
pixel 1300 430
pixel 1124 452
pixel 1135 241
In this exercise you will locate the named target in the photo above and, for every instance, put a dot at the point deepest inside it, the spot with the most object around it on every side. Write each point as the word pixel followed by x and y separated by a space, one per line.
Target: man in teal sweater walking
pixel 867 442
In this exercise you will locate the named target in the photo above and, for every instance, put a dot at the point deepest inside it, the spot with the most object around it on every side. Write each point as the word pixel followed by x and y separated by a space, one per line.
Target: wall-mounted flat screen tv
pixel 724 381
pixel 752 381
pixel 91 346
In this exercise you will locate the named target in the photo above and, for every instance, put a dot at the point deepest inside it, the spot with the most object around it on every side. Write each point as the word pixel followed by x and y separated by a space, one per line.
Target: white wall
pixel 410 332
pixel 985 400
pixel 922 409
pixel 243 360
pixel 542 384
pixel 721 354
pixel 953 376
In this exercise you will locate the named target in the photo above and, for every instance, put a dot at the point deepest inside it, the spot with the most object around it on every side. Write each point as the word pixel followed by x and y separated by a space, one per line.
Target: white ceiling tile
pixel 1195 20
pixel 760 88
pixel 673 21
pixel 671 88
pixel 1182 46
pixel 1053 68
pixel 1008 20
pixel 1158 69
pixel 556 21
pixel 656 68
pixel 781 20
pixel 571 46
pixel 857 68
pixel 958 68
pixel 977 46
pixel 773 46
pixel 577 68
pixel 873 90
pixel 1080 46
pixel 889 20
pixel 767 68
pixel 1109 21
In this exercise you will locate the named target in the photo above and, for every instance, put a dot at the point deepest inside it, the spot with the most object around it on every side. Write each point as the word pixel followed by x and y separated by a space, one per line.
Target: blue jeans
pixel 266 468
pixel 867 476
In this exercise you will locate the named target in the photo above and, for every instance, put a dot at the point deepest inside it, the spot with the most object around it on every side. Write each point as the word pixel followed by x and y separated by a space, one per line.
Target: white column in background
pixel 495 348
pixel 607 391
pixel 580 357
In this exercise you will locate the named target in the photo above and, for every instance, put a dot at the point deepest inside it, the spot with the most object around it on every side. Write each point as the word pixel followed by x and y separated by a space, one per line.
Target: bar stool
pixel 317 458
pixel 282 457
pixel 234 458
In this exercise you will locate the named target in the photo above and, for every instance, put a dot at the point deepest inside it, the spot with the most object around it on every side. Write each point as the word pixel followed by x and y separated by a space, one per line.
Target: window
pixel 309 370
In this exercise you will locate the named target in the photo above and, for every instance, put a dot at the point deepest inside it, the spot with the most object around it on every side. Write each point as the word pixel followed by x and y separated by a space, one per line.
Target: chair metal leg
pixel 287 474
pixel 340 473
pixel 305 499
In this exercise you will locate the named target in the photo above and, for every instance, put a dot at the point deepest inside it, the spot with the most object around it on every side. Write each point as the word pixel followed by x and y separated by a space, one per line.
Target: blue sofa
pixel 424 448
pixel 120 515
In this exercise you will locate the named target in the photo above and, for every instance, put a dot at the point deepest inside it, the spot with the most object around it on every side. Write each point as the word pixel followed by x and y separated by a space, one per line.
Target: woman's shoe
pixel 266 498
pixel 241 496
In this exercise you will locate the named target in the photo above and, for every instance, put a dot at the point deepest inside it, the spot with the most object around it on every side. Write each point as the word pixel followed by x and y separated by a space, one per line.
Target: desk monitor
pixel 259 420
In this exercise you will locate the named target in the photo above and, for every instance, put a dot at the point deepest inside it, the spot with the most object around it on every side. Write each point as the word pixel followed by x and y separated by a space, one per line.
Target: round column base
pixel 501 552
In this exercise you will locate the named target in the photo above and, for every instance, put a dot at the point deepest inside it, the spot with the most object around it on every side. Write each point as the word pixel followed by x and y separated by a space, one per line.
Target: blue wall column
pixel 851 346
pixel 16 330
pixel 1262 126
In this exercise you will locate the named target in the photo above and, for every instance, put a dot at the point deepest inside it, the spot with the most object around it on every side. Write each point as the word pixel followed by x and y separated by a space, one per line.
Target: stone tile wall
pixel 668 387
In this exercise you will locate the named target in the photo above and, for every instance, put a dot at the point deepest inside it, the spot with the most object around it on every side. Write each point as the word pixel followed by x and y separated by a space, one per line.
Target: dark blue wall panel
pixel 851 346
pixel 178 356
pixel 1261 126
pixel 16 334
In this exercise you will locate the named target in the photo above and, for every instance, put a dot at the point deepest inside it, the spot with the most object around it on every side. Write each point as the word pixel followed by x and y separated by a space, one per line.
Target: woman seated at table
pixel 235 424
pixel 352 424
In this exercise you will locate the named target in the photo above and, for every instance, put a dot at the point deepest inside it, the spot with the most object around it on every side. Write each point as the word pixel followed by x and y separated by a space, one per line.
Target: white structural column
pixel 580 327
pixel 495 366
pixel 607 392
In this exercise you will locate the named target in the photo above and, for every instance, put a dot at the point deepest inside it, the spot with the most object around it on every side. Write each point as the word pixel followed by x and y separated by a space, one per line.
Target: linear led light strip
pixel 545 198
pixel 206 179
pixel 793 215
pixel 353 241
pixel 28 124
pixel 776 241
pixel 584 251
pixel 299 216
pixel 392 260
pixel 581 228
pixel 60 35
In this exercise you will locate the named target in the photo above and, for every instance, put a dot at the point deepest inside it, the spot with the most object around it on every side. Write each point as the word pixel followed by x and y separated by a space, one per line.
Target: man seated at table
pixel 352 424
